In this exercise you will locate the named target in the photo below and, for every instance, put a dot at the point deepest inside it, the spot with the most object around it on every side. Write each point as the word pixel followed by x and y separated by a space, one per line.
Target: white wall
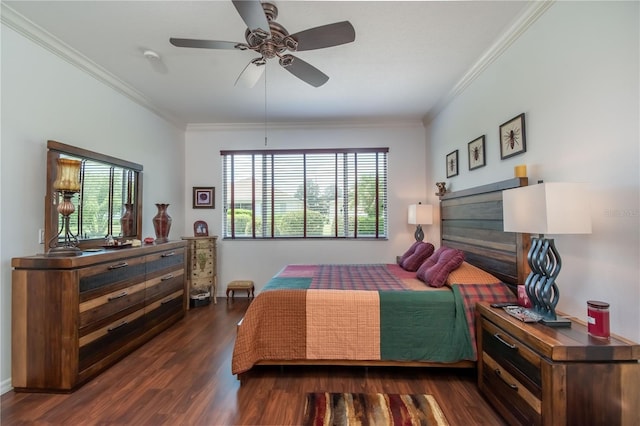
pixel 575 75
pixel 45 97
pixel 260 260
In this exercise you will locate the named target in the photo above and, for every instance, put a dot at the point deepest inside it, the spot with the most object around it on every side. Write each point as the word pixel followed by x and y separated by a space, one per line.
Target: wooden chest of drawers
pixel 538 375
pixel 72 317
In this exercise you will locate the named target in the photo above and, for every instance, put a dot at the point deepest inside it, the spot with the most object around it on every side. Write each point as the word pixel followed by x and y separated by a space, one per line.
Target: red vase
pixel 127 221
pixel 162 223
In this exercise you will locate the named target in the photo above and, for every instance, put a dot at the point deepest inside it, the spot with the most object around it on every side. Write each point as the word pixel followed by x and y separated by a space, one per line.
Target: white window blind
pixel 321 193
pixel 100 204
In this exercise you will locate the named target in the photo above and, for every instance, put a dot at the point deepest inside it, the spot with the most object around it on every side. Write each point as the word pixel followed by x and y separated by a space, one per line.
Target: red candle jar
pixel 598 318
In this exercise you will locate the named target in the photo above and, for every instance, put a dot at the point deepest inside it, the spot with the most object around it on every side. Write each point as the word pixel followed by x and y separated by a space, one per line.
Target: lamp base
pixel 556 323
pixel 419 234
pixel 64 251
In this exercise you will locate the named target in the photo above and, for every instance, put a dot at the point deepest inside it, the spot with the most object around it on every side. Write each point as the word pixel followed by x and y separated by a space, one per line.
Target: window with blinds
pixel 313 193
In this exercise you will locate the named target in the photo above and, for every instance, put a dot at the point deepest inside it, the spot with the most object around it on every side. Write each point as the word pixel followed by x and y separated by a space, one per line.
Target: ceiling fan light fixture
pixel 286 60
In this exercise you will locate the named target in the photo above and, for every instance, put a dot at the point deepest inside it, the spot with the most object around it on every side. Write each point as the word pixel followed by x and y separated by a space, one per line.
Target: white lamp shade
pixel 547 208
pixel 420 214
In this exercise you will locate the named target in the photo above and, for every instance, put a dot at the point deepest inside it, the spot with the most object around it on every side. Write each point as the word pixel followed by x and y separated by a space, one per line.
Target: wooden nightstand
pixel 201 265
pixel 534 374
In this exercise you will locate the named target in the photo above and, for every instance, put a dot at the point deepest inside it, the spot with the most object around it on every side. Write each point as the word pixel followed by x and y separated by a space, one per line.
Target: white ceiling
pixel 407 59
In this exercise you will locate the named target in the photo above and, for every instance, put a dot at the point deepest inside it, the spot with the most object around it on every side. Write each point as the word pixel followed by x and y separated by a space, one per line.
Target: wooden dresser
pixel 72 317
pixel 201 265
pixel 538 375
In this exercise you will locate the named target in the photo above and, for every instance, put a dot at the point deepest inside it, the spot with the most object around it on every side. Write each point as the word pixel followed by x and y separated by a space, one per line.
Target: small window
pixel 324 193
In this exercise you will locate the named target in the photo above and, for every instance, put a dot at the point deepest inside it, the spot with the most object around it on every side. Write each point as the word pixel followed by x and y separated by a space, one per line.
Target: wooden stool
pixel 240 285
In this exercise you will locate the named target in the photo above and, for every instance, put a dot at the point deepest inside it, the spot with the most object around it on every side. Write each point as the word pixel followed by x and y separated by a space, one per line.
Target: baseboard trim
pixel 5 386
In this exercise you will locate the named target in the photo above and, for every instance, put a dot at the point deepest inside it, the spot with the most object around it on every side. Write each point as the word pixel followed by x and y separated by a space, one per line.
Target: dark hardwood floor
pixel 183 377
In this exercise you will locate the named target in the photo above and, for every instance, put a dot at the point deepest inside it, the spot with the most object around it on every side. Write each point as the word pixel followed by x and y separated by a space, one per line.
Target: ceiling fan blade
pixel 305 71
pixel 251 73
pixel 325 36
pixel 204 44
pixel 252 14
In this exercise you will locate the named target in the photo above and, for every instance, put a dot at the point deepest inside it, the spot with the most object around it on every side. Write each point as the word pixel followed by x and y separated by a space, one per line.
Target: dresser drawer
pixel 111 306
pixel 114 275
pixel 162 262
pixel 165 308
pixel 160 287
pixel 100 343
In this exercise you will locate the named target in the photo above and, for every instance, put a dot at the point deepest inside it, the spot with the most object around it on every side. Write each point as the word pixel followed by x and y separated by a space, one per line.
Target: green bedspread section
pixel 288 283
pixel 408 331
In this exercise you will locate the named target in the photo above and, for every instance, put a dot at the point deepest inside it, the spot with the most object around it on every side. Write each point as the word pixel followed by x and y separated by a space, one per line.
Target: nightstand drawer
pixel 524 405
pixel 513 356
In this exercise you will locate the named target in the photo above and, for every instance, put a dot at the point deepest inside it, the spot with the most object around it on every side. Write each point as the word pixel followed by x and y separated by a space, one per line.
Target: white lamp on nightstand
pixel 420 214
pixel 546 208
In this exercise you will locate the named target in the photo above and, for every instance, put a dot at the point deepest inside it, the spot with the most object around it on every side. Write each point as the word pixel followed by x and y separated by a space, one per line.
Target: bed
pixel 383 314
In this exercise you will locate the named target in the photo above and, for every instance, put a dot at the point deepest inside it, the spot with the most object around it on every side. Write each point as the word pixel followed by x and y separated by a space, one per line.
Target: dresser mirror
pixel 109 202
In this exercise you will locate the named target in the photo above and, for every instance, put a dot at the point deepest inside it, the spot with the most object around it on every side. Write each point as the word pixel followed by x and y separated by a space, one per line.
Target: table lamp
pixel 546 208
pixel 420 214
pixel 67 183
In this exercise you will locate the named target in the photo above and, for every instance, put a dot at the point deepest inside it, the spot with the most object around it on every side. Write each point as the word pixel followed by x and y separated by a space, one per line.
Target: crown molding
pixel 519 27
pixel 365 123
pixel 40 36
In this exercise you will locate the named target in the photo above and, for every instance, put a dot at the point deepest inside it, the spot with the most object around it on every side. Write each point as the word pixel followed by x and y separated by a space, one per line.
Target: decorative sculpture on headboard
pixel 442 188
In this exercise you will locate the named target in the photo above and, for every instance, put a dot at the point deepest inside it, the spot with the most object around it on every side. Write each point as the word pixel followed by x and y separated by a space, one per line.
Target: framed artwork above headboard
pixel 471 221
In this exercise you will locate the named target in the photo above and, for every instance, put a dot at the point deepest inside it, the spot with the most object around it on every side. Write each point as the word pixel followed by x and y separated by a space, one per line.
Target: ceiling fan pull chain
pixel 265 105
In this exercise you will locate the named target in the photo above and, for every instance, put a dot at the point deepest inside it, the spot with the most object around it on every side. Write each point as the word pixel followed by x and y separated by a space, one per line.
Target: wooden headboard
pixel 471 220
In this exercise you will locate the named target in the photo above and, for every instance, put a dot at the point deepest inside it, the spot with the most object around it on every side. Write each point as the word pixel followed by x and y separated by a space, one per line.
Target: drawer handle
pixel 119 265
pixel 115 327
pixel 167 277
pixel 499 374
pixel 171 253
pixel 507 344
pixel 118 296
pixel 164 302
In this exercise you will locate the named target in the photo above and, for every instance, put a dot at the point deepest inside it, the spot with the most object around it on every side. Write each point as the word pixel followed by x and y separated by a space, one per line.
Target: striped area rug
pixel 351 409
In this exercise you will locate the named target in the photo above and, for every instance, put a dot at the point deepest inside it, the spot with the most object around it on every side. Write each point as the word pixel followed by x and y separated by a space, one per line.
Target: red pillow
pixel 409 252
pixel 435 270
pixel 421 253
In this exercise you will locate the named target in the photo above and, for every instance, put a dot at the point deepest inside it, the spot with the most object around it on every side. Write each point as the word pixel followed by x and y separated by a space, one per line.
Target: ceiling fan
pixel 270 39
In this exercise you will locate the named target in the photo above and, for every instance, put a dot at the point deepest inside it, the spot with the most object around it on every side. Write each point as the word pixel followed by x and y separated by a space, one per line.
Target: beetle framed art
pixel 513 139
pixel 452 164
pixel 476 153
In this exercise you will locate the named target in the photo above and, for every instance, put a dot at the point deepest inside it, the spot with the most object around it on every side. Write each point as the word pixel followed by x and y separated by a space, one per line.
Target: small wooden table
pixel 240 285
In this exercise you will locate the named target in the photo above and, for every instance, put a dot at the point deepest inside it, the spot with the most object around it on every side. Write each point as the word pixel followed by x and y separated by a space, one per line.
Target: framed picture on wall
pixel 512 137
pixel 204 197
pixel 476 153
pixel 452 164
